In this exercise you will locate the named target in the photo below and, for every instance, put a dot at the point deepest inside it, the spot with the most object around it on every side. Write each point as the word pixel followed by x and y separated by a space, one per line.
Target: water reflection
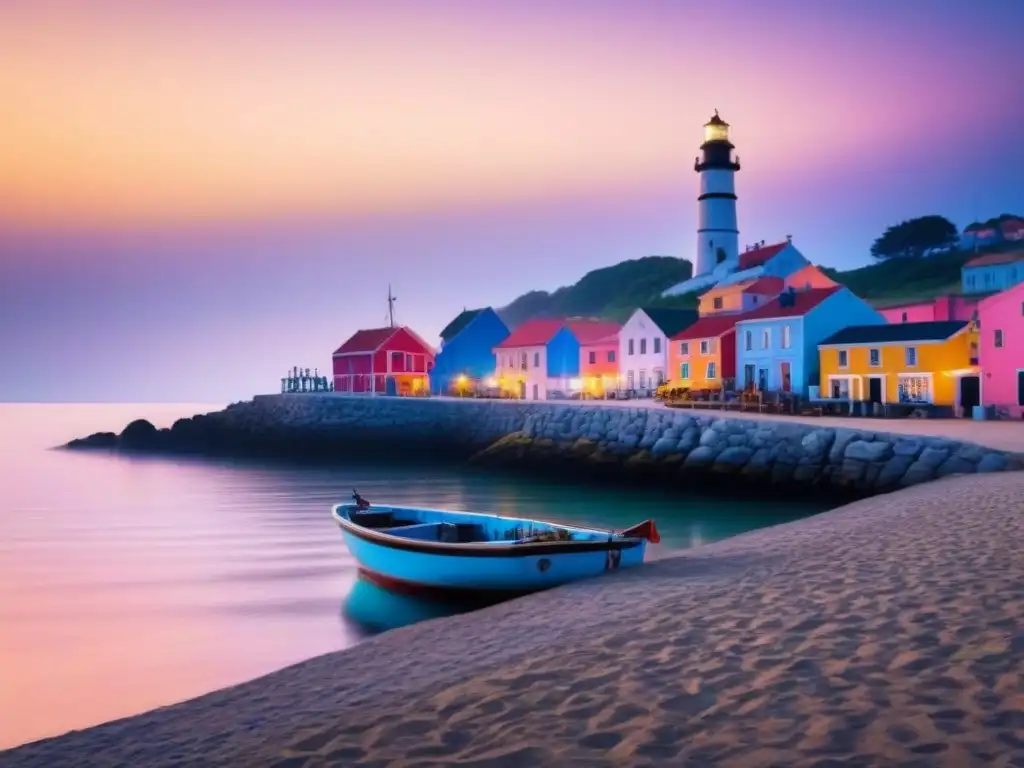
pixel 374 609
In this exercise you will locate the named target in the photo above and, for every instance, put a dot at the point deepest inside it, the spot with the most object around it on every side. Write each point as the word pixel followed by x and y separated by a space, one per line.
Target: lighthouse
pixel 717 233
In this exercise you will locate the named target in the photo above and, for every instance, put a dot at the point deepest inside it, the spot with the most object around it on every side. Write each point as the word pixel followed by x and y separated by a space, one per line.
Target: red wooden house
pixel 383 361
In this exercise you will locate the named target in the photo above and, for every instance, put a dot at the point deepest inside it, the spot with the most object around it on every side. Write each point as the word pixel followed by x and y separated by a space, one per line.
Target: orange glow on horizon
pixel 154 118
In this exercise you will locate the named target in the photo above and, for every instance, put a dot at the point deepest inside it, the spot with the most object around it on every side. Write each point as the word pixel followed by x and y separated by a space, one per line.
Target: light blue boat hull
pixel 503 558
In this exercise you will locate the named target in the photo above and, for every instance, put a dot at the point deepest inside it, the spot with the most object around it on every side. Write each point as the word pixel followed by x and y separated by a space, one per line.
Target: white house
pixel 643 345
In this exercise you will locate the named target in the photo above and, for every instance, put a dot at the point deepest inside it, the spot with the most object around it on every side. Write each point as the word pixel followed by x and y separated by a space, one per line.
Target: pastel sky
pixel 195 196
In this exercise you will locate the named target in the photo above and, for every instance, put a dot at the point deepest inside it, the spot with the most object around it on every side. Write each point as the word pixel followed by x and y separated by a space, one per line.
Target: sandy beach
pixel 887 632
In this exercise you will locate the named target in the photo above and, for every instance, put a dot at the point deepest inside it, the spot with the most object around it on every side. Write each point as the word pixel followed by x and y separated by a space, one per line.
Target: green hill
pixel 614 292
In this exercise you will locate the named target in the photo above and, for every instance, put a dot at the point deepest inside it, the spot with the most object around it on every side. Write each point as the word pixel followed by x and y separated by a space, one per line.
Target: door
pixel 748 375
pixel 629 380
pixel 1020 387
pixel 536 395
pixel 762 379
pixel 787 384
pixel 522 390
pixel 874 390
pixel 970 393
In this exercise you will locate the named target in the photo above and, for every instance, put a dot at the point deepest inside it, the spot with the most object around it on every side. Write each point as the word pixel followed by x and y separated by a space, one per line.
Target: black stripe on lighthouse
pixel 717 196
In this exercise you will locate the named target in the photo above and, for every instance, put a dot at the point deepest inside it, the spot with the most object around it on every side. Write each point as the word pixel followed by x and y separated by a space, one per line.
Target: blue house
pixel 993 272
pixel 777 344
pixel 467 349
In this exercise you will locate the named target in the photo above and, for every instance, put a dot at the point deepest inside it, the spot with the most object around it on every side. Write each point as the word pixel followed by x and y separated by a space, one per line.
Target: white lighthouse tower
pixel 717 233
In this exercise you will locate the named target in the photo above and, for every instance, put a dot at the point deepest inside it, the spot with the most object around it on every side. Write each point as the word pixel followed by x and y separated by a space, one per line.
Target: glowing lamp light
pixel 491 382
pixel 574 383
pixel 462 380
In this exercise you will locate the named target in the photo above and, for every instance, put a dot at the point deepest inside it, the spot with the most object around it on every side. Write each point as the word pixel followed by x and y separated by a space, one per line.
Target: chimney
pixel 789 238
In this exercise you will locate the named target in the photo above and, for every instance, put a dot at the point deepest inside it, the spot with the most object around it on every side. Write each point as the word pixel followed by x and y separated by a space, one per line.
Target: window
pixel 1022 307
pixel 684 371
pixel 522 361
pixel 705 345
pixel 536 359
pixel 970 281
pixel 717 303
pixel 657 345
pixel 766 338
pixel 840 389
pixel 711 370
pixel 611 355
pixel 787 336
pixel 408 362
pixel 904 317
pixel 684 348
pixel 911 356
pixel 998 338
pixel 593 358
pixel 629 351
pixel 913 389
pixel 874 357
pixel 643 348
pixel 844 358
pixel 748 340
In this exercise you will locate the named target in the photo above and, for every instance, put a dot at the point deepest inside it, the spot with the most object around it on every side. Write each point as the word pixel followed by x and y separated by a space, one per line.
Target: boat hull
pixel 496 572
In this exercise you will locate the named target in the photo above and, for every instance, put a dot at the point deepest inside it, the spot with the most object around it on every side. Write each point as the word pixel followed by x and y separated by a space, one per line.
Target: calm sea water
pixel 131 583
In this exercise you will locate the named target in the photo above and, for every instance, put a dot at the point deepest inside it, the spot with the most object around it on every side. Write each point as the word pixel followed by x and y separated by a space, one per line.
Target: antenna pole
pixel 391 307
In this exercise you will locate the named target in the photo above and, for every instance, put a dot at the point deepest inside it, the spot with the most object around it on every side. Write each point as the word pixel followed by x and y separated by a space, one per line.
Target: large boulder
pixel 95 440
pixel 139 434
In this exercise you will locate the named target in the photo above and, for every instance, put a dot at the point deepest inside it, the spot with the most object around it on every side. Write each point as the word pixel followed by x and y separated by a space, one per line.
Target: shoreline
pixel 886 629
pixel 694 451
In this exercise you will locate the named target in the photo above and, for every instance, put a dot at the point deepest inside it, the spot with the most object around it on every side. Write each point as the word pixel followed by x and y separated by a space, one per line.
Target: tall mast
pixel 391 307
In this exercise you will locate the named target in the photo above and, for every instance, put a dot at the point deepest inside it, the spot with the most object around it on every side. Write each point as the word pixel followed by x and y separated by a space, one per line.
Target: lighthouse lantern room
pixel 717 231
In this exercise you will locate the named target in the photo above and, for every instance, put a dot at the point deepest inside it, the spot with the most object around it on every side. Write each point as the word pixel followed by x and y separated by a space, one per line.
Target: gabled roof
pixel 455 327
pixel 366 341
pixel 671 321
pixel 802 303
pixel 990 259
pixel 759 256
pixel 592 331
pixel 1011 226
pixel 895 333
pixel 533 333
pixel 709 327
pixel 765 286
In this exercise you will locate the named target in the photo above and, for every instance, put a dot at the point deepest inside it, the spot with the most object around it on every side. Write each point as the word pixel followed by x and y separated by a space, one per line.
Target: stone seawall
pixel 688 447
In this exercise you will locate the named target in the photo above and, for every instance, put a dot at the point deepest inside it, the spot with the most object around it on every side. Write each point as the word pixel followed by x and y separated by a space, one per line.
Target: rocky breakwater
pixel 601 442
pixel 699 449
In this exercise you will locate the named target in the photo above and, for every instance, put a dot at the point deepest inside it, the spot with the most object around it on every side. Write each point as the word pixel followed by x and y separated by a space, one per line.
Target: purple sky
pixel 193 201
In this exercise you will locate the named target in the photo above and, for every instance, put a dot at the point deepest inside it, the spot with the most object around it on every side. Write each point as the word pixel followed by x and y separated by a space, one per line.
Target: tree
pixel 912 239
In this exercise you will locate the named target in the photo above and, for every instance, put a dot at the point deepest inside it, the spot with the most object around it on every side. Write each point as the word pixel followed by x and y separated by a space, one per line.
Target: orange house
pixel 809 277
pixel 704 355
pixel 599 364
pixel 740 297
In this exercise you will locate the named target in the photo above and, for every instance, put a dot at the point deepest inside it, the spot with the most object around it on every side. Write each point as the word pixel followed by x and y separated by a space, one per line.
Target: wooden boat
pixel 440 551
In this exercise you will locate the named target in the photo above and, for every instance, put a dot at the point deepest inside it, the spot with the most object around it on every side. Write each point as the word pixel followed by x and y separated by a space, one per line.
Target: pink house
pixel 1001 321
pixel 941 309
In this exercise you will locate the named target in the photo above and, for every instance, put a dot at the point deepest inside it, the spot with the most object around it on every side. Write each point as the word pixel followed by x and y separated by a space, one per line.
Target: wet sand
pixel 888 632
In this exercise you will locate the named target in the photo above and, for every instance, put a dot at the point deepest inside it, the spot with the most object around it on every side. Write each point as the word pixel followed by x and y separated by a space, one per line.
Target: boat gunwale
pixel 480 549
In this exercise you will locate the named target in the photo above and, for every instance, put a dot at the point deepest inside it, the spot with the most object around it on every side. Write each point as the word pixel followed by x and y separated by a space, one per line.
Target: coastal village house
pixel 760 260
pixel 542 357
pixel 741 297
pixel 393 360
pixel 644 346
pixel 599 363
pixel 993 272
pixel 703 356
pixel 951 307
pixel 466 357
pixel 809 277
pixel 1001 351
pixel 777 345
pixel 934 363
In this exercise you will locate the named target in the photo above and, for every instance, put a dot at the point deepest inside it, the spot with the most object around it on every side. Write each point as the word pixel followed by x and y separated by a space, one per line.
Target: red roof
pixel 995 258
pixel 366 341
pixel 589 332
pixel 1013 226
pixel 766 286
pixel 709 327
pixel 803 302
pixel 532 333
pixel 759 256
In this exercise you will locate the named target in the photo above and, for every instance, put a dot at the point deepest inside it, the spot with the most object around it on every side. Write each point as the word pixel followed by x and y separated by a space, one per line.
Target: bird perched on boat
pixel 361 503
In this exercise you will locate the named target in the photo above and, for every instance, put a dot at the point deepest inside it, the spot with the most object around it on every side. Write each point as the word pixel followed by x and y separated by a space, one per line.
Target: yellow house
pixel 740 297
pixel 934 363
